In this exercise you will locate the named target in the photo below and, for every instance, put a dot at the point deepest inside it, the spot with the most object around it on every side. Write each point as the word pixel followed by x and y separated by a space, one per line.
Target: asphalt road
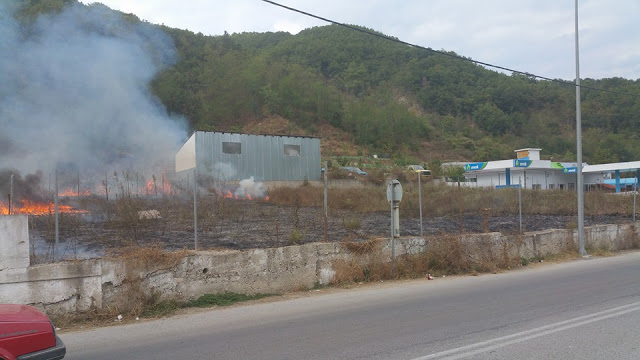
pixel 587 309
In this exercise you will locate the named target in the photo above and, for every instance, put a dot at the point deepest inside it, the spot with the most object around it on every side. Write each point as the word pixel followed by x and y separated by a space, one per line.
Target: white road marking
pixel 484 346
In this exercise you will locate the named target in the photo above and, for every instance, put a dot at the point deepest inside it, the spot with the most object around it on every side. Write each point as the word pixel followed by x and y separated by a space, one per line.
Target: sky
pixel 535 36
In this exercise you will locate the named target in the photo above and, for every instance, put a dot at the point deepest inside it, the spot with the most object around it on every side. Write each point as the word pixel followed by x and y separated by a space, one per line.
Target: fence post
pixel 420 201
pixel 326 208
pixel 11 196
pixel 635 191
pixel 195 209
pixel 57 221
pixel 520 202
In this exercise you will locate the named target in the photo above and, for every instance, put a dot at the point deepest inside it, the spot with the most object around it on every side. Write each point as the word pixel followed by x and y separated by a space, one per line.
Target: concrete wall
pixel 98 283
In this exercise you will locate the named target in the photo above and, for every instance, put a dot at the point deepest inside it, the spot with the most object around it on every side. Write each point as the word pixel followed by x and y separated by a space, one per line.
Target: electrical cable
pixel 563 82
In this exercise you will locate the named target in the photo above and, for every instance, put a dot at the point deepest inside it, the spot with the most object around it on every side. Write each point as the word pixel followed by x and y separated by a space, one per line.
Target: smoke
pixel 27 187
pixel 223 171
pixel 251 188
pixel 75 92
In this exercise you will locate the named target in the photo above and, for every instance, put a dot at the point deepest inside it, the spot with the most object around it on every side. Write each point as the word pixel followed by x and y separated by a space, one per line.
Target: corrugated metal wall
pixel 262 156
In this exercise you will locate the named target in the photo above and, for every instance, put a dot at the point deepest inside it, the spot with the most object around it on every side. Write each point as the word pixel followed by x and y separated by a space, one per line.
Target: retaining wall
pixel 97 283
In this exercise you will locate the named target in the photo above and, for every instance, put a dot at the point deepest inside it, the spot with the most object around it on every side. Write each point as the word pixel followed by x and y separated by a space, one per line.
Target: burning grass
pixel 28 207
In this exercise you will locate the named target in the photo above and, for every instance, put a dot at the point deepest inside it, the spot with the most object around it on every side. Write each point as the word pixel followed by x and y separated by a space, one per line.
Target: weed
pixel 352 224
pixel 161 308
pixel 360 248
pixel 296 236
pixel 223 299
pixel 445 255
pixel 317 286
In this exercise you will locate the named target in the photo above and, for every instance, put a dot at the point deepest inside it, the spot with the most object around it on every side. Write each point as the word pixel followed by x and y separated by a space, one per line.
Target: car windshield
pixel 418 167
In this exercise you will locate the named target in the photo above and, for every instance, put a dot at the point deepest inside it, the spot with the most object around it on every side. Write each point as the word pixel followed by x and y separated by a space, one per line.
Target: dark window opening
pixel 232 148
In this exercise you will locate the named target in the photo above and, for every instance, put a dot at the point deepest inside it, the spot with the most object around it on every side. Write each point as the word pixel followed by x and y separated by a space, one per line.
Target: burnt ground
pixel 249 224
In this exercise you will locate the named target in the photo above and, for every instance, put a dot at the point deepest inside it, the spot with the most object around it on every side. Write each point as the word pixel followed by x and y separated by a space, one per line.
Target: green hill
pixel 384 97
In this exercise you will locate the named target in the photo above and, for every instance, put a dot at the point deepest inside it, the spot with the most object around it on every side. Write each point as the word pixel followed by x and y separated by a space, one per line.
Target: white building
pixel 528 171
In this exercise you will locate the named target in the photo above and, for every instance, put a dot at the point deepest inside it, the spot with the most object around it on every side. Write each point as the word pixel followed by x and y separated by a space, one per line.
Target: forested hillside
pixel 388 97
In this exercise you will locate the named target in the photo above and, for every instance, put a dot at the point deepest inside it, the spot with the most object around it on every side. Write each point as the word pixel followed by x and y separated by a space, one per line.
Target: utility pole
pixel 580 182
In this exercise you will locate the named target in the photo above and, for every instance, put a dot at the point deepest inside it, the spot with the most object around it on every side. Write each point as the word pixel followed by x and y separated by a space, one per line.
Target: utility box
pixel 394 196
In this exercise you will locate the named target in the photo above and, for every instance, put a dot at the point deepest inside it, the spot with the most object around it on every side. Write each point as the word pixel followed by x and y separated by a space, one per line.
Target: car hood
pixel 21 313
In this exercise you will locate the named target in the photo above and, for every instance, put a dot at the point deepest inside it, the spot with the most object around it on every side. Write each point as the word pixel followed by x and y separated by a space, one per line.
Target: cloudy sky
pixel 535 36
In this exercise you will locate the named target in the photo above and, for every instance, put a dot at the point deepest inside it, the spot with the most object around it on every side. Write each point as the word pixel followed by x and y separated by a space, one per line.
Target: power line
pixel 355 28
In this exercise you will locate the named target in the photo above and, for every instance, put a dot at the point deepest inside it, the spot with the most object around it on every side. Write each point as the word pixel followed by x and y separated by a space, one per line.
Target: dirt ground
pixel 238 224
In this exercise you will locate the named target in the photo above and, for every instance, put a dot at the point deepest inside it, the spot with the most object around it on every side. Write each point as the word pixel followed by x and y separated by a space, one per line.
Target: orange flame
pixel 70 193
pixel 34 208
pixel 150 188
pixel 229 195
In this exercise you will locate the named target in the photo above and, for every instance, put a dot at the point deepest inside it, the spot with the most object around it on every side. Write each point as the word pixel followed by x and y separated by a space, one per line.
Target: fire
pixel 34 208
pixel 70 193
pixel 229 195
pixel 150 188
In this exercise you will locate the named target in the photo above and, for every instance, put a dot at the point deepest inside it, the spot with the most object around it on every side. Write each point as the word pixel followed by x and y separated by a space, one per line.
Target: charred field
pixel 226 223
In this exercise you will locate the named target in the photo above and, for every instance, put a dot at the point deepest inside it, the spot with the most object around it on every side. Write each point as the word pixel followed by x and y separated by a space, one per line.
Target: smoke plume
pixel 75 92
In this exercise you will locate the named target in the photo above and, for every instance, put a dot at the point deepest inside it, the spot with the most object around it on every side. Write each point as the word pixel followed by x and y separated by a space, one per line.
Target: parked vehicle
pixel 355 170
pixel 419 169
pixel 27 333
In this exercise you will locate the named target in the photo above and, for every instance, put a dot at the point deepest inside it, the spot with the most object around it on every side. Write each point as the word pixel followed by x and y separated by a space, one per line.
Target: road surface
pixel 586 309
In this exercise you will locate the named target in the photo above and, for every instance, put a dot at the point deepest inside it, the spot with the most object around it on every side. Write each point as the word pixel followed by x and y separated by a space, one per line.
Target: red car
pixel 26 333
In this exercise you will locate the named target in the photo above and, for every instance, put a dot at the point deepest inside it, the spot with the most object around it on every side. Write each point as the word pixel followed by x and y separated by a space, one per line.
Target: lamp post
pixel 580 182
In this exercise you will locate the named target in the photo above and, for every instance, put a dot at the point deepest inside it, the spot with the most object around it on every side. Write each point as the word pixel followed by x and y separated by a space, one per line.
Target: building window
pixel 537 186
pixel 231 148
pixel 572 186
pixel 551 186
pixel 292 150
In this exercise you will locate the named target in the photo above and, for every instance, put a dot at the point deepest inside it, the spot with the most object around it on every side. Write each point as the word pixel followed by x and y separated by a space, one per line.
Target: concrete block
pixel 14 242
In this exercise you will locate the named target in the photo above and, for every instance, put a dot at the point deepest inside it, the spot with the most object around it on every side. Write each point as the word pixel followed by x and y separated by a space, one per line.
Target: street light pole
pixel 580 182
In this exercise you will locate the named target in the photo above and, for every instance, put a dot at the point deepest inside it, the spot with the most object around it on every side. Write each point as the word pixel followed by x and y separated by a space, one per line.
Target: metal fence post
pixel 11 196
pixel 635 191
pixel 420 201
pixel 326 208
pixel 195 209
pixel 520 202
pixel 393 242
pixel 57 220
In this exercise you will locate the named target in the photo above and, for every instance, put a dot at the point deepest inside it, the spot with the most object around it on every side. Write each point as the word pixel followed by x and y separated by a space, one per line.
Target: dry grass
pixel 446 255
pixel 444 200
pixel 132 300
pixel 138 262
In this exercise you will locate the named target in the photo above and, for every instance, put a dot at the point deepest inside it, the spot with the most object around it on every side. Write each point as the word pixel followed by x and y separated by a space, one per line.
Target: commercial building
pixel 234 156
pixel 530 172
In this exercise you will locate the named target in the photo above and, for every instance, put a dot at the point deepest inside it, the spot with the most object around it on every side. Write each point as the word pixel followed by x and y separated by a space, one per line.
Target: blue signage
pixel 475 166
pixel 507 186
pixel 570 170
pixel 521 163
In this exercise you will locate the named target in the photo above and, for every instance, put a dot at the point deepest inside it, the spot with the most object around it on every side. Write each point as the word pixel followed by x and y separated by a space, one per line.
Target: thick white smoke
pixel 249 187
pixel 75 92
